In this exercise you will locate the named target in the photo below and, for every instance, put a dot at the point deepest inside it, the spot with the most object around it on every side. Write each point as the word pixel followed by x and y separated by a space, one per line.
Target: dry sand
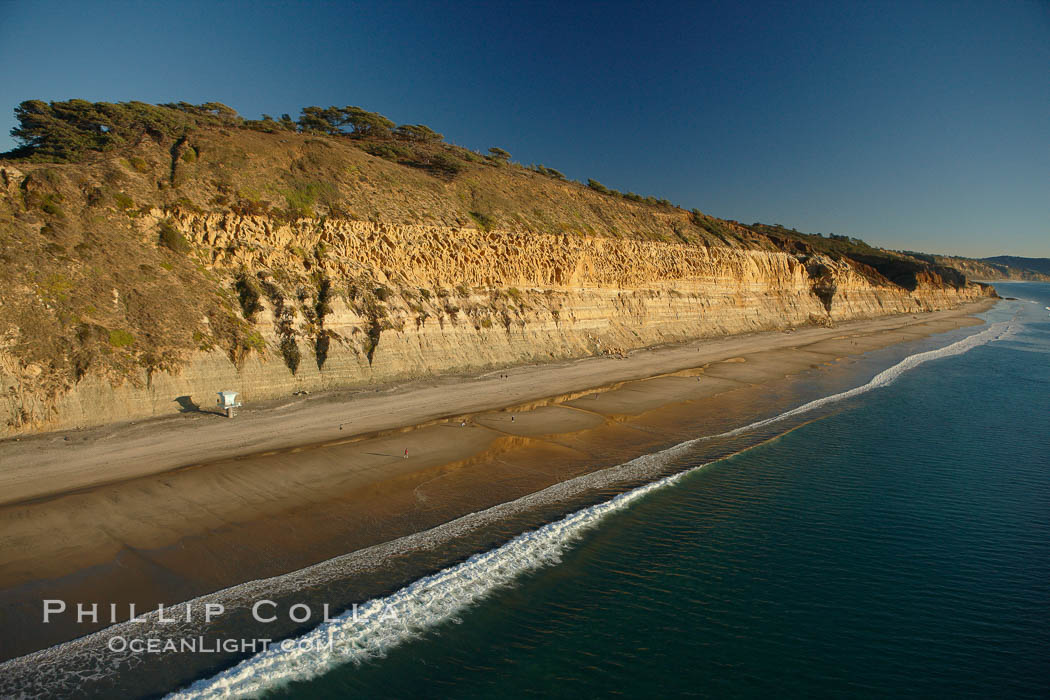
pixel 169 509
pixel 46 465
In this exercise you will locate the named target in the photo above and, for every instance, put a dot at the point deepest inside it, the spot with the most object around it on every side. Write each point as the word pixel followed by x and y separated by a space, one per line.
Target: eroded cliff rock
pixel 335 303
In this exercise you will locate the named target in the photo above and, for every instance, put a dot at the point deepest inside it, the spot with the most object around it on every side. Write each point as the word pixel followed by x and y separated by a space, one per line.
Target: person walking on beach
pixel 406 453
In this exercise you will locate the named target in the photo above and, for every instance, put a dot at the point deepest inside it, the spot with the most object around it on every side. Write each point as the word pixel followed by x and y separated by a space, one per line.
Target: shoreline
pixel 177 534
pixel 34 463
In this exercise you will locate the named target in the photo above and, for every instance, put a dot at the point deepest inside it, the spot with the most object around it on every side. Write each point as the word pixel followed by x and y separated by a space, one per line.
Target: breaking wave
pixel 384 623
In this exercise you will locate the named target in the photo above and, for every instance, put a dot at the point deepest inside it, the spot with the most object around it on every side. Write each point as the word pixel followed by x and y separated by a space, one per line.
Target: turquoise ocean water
pixel 895 543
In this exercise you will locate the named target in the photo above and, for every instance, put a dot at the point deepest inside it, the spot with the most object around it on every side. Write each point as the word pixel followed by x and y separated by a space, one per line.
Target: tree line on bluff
pixel 67 131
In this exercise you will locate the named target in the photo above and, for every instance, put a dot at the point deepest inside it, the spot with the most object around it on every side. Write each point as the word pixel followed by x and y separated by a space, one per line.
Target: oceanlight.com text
pixel 202 645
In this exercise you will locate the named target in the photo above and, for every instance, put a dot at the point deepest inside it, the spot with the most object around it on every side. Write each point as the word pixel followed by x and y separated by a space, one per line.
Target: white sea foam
pixel 384 623
pixel 997 331
pixel 439 598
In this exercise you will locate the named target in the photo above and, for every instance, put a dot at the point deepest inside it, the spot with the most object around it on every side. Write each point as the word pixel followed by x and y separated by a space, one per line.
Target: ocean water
pixel 892 541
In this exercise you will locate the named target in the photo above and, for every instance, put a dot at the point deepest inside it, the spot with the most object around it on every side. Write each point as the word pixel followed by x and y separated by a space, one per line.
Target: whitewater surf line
pixel 384 623
pixel 371 630
pixel 997 331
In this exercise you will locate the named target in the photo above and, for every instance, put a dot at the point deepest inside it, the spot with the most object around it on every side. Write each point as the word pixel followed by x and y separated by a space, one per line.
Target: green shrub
pixel 389 151
pixel 49 205
pixel 549 172
pixel 499 154
pixel 139 164
pixel 120 338
pixel 372 335
pixel 57 287
pixel 249 292
pixel 302 197
pixel 323 302
pixel 372 308
pixel 445 164
pixel 470 156
pixel 322 344
pixel 483 221
pixel 713 226
pixel 171 239
pixel 291 353
pixel 123 201
pixel 254 341
pixel 598 187
pixel 417 132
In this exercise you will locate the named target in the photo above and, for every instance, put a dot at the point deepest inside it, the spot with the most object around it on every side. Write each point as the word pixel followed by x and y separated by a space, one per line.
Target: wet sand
pixel 93 519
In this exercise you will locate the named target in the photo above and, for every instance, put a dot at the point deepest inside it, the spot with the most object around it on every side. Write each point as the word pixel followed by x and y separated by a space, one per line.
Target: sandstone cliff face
pixel 335 304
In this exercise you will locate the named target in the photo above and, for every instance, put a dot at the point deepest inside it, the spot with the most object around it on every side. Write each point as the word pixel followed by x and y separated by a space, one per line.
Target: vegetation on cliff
pixel 103 273
pixel 1039 266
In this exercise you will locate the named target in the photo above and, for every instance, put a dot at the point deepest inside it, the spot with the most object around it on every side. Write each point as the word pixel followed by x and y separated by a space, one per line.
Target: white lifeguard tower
pixel 228 401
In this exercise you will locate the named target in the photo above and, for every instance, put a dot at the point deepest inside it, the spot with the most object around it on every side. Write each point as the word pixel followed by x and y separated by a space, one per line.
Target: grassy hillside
pixel 207 158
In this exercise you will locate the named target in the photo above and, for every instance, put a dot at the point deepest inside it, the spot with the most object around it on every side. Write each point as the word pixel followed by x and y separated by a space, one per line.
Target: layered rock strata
pixel 336 304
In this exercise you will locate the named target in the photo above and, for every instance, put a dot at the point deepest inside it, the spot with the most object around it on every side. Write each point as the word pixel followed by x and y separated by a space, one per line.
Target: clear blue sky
pixel 922 125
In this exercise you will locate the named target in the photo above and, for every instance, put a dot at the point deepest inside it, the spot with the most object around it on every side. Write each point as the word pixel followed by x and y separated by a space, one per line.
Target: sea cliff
pixel 388 303
pixel 199 252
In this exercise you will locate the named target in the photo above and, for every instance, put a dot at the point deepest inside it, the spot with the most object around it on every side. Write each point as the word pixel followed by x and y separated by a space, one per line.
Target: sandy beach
pixel 164 510
pixel 40 466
